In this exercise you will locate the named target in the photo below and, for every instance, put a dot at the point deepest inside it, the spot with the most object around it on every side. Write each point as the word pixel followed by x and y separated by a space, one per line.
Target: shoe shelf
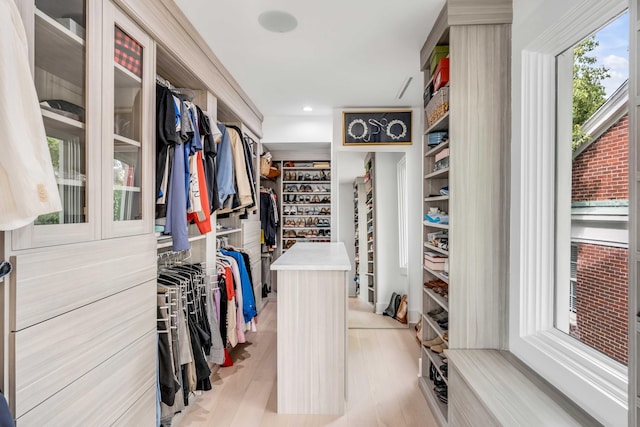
pixel 437 361
pixel 441 413
pixel 434 325
pixel 436 196
pixel 438 274
pixel 439 299
pixel 306 204
pixel 306 182
pixel 301 180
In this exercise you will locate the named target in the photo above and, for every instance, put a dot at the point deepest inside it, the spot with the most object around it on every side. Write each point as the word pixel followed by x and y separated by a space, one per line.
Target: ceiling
pixel 343 53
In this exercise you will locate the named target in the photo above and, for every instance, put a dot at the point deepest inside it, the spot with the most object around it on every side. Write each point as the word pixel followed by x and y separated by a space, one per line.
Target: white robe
pixel 27 183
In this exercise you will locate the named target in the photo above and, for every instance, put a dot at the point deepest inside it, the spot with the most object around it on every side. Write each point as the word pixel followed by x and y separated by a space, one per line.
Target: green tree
pixel 588 90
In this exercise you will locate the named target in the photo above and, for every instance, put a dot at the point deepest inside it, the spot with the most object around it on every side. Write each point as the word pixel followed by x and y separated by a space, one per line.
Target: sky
pixel 613 52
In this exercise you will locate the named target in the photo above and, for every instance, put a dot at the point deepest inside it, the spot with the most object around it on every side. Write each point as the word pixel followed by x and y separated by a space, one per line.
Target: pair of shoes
pixel 435 311
pixel 439 316
pixel 439 348
pixel 442 395
pixel 436 341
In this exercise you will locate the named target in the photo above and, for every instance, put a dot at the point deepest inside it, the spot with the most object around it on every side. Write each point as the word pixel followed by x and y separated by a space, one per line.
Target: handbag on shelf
pixel 265 164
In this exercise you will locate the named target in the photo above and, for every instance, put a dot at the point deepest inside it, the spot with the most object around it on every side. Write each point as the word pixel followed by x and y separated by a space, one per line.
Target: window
pixel 592 190
pixel 541 39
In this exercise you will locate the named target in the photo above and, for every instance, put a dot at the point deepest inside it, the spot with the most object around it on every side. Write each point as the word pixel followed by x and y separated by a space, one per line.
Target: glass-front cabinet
pixel 93 72
pixel 59 34
pixel 127 128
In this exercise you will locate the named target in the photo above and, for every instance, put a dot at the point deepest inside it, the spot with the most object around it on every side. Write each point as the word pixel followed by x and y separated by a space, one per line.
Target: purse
pixel 265 165
pixel 403 308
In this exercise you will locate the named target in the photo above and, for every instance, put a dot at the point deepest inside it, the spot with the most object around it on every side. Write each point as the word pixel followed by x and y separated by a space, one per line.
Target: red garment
pixel 228 278
pixel 202 221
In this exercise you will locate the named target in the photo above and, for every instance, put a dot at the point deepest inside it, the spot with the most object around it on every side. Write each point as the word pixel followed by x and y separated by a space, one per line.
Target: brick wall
pixel 601 294
pixel 601 171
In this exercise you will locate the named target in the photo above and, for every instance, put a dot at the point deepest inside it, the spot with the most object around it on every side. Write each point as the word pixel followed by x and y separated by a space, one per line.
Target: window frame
pixel 592 380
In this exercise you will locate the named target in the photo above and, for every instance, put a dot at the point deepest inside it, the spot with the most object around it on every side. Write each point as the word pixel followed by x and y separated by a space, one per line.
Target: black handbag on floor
pixel 392 308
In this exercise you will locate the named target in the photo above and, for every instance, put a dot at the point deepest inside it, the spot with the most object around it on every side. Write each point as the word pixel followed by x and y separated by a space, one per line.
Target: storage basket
pixel 438 106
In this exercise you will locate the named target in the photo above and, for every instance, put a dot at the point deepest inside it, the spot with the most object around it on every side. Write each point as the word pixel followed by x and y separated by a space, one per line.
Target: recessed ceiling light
pixel 278 21
pixel 307 108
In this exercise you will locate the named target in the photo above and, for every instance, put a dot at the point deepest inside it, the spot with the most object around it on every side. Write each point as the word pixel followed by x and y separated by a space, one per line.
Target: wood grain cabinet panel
pixel 52 354
pixel 101 396
pixel 139 414
pixel 54 281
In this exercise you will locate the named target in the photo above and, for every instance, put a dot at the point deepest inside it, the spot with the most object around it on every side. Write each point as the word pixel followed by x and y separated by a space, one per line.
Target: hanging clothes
pixel 225 174
pixel 28 185
pixel 243 183
pixel 249 303
pixel 268 216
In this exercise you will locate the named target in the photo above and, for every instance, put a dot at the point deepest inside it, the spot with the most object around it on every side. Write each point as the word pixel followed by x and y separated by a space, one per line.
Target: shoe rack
pixel 370 224
pixel 360 237
pixel 435 299
pixel 306 202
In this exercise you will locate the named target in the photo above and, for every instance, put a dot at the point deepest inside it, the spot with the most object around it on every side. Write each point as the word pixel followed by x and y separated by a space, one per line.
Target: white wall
pixel 297 129
pixel 414 177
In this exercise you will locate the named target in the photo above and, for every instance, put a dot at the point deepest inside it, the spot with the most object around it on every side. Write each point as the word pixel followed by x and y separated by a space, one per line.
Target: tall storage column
pixel 312 328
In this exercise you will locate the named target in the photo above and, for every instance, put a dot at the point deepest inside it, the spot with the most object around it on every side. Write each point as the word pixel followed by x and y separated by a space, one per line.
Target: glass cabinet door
pixel 60 71
pixel 126 206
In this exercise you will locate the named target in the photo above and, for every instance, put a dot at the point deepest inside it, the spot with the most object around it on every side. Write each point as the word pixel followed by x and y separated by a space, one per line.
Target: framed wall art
pixel 376 127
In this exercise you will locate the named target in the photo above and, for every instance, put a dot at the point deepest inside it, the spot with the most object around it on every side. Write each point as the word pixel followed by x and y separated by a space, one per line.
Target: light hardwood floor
pixel 382 384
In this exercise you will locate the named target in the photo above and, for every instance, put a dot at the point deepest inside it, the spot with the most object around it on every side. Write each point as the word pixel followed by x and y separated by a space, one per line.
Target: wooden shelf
pixel 305 182
pixel 125 78
pixel 224 232
pixel 435 248
pixel 438 148
pixel 305 168
pixel 167 241
pixel 442 302
pixel 439 410
pixel 438 274
pixel 58 50
pixel 434 325
pixel 436 199
pixel 61 127
pixel 123 141
pixel 442 173
pixel 71 182
pixel 436 359
pixel 440 125
pixel 435 225
pixel 126 188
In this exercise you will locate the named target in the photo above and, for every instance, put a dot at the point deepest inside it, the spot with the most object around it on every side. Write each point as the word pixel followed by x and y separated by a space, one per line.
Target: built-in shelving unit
pixel 370 224
pixel 356 237
pixel 435 305
pixel 306 202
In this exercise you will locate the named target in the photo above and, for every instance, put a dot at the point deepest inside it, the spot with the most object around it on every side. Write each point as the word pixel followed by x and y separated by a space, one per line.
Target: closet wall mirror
pixel 372 196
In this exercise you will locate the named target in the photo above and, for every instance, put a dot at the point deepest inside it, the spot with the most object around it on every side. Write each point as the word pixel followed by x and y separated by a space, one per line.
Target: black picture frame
pixel 376 127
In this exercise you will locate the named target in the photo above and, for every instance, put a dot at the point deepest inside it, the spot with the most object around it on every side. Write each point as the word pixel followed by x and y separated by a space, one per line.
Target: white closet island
pixel 312 328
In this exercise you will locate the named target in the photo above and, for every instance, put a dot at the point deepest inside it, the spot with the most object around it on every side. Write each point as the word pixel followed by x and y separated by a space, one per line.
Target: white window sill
pixel 510 393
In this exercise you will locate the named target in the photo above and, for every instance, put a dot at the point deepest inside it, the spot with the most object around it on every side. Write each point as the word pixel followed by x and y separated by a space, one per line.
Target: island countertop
pixel 314 256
